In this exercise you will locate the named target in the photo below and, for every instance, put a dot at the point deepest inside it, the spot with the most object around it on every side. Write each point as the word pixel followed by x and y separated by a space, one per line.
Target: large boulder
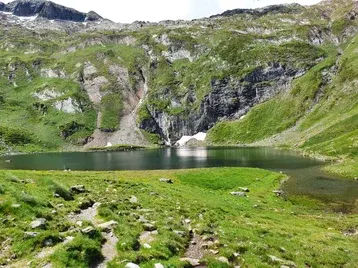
pixel 39 223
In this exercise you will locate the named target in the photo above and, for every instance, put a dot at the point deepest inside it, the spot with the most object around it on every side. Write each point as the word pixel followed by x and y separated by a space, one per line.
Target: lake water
pixel 306 177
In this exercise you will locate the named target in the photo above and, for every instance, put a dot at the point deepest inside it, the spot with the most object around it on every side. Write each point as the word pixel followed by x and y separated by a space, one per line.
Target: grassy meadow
pixel 196 215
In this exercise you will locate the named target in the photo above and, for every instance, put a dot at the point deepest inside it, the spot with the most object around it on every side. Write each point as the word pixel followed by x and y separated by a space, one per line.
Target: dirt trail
pixel 109 250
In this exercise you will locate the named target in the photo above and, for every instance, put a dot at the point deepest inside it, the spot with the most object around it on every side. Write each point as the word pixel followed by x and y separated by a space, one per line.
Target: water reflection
pixel 306 176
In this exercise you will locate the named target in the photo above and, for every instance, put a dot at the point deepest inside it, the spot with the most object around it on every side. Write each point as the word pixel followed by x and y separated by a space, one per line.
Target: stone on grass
pixel 240 194
pixel 223 260
pixel 149 227
pixel 133 199
pixel 108 226
pixel 166 180
pixel 147 246
pixel 278 192
pixel 180 233
pixel 15 205
pixel 88 230
pixel 158 265
pixel 244 189
pixel 77 189
pixel 132 265
pixel 30 234
pixel 39 223
pixel 193 262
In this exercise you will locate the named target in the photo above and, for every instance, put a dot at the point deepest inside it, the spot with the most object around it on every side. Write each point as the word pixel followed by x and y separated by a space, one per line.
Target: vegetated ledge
pixel 117 148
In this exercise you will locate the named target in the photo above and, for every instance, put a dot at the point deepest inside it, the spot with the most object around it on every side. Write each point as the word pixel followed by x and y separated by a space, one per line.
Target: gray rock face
pixel 229 98
pixel 47 10
pixel 274 9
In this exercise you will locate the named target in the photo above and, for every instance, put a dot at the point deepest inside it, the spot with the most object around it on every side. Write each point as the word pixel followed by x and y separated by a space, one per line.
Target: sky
pixel 127 11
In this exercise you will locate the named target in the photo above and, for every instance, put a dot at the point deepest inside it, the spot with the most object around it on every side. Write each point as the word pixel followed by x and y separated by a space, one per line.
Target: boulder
pixel 278 192
pixel 223 260
pixel 240 194
pixel 77 189
pixel 149 227
pixel 88 230
pixel 193 262
pixel 147 246
pixel 39 223
pixel 132 265
pixel 244 189
pixel 108 226
pixel 30 234
pixel 133 199
pixel 158 265
pixel 166 180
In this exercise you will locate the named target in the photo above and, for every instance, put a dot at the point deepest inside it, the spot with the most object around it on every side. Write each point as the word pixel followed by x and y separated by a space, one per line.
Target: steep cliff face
pixel 230 98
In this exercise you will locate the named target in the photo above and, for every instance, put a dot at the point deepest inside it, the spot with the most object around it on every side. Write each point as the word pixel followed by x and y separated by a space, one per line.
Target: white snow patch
pixel 201 136
pixel 109 144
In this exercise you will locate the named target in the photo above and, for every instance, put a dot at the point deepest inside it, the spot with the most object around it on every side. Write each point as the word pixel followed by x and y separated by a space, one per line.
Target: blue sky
pixel 127 11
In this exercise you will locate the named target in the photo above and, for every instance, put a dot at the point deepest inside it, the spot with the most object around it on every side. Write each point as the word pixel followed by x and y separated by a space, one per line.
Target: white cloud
pixel 155 10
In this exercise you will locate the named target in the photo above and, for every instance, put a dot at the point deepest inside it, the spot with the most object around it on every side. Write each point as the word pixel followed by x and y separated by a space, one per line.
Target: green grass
pixel 256 226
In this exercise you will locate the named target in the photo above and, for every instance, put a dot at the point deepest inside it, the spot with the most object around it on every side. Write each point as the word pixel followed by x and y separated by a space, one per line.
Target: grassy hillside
pixel 260 230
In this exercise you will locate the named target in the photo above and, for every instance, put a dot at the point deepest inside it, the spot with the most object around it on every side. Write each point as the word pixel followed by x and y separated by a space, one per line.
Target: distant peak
pixel 48 10
pixel 273 9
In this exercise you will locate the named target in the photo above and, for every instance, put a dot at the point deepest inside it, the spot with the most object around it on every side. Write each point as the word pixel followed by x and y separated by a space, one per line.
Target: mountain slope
pixel 282 74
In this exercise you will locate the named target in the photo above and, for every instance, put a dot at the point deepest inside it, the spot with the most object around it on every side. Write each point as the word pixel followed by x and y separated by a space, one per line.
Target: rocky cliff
pixel 241 76
pixel 47 10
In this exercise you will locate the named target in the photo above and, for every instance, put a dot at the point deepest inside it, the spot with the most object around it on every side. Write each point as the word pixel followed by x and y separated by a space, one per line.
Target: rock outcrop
pixel 229 98
pixel 274 9
pixel 47 10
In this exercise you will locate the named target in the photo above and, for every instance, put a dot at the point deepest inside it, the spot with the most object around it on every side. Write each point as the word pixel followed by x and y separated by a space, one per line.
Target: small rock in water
pixel 166 180
pixel 132 265
pixel 77 189
pixel 158 265
pixel 244 189
pixel 133 199
pixel 241 194
pixel 356 178
pixel 39 223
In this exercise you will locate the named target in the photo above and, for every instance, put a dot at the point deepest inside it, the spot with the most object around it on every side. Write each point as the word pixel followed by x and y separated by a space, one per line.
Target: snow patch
pixel 201 136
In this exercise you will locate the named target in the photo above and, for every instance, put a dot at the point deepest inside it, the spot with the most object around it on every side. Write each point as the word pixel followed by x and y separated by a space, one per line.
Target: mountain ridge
pixel 48 10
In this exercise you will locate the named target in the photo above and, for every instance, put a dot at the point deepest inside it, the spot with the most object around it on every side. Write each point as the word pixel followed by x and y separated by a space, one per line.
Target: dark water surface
pixel 306 178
